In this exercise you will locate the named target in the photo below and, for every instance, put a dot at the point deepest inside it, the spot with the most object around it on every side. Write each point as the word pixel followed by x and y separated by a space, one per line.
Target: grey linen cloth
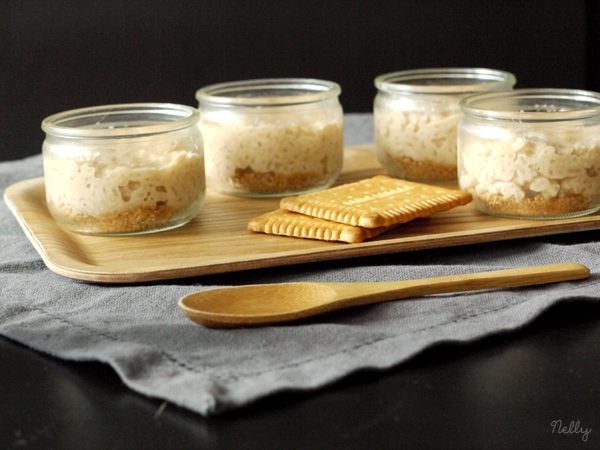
pixel 140 332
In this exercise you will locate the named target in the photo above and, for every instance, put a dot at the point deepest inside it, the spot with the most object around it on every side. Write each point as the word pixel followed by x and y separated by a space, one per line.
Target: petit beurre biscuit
pixel 286 223
pixel 376 202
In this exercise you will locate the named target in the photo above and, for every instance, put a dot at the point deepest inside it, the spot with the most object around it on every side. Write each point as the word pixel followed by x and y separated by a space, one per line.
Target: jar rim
pixel 533 105
pixel 451 80
pixel 121 120
pixel 268 92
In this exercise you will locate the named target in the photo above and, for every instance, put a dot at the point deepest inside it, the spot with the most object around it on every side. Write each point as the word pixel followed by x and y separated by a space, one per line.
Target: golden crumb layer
pixel 426 170
pixel 247 180
pixel 135 220
pixel 537 206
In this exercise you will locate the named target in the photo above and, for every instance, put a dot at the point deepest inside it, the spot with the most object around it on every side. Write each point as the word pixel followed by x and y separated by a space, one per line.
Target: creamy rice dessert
pixel 417 142
pixel 267 157
pixel 537 173
pixel 146 185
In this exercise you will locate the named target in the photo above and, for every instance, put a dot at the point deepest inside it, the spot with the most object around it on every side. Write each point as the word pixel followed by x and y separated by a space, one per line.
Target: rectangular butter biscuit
pixel 376 202
pixel 287 223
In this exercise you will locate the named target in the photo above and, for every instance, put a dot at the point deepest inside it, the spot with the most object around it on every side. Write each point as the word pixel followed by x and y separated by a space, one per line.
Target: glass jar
pixel 124 169
pixel 531 153
pixel 271 137
pixel 416 113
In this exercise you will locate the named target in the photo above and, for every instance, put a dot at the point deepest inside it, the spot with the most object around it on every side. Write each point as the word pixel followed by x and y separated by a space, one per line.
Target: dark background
pixel 500 392
pixel 63 54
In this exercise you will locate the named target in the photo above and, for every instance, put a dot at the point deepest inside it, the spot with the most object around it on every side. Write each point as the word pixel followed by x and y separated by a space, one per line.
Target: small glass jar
pixel 124 169
pixel 271 137
pixel 416 113
pixel 531 153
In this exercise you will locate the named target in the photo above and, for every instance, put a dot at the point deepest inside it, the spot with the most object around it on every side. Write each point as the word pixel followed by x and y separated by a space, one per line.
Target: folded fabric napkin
pixel 140 331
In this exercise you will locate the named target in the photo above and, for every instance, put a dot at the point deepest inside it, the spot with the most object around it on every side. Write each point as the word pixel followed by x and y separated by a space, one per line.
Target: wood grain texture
pixel 217 241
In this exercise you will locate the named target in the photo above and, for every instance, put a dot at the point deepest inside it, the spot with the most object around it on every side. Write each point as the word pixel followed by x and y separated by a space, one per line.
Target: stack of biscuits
pixel 357 211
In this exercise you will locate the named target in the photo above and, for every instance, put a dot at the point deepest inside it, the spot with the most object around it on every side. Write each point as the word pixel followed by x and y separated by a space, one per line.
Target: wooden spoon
pixel 264 304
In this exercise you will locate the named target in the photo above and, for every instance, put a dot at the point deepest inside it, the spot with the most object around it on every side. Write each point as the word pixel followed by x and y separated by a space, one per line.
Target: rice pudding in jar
pixel 271 137
pixel 124 169
pixel 531 153
pixel 416 113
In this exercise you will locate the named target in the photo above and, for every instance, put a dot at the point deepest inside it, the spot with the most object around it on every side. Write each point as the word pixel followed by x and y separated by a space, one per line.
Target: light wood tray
pixel 217 241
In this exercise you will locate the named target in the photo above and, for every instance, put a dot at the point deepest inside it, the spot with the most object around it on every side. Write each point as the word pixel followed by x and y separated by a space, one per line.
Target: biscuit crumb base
pixel 536 207
pixel 425 170
pixel 268 183
pixel 137 220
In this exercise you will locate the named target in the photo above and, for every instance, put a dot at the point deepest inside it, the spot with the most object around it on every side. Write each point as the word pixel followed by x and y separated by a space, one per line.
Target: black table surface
pixel 534 388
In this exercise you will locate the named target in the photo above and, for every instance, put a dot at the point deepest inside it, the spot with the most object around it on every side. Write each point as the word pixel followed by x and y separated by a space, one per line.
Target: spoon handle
pixel 353 294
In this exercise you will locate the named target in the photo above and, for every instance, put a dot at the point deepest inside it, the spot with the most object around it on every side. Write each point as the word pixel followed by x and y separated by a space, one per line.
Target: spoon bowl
pixel 264 304
pixel 250 299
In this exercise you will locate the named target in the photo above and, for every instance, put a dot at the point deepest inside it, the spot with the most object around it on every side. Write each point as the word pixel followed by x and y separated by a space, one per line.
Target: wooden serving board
pixel 217 241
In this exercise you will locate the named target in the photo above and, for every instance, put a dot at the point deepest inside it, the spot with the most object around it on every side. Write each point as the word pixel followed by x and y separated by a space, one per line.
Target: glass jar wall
pixel 532 153
pixel 124 169
pixel 272 137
